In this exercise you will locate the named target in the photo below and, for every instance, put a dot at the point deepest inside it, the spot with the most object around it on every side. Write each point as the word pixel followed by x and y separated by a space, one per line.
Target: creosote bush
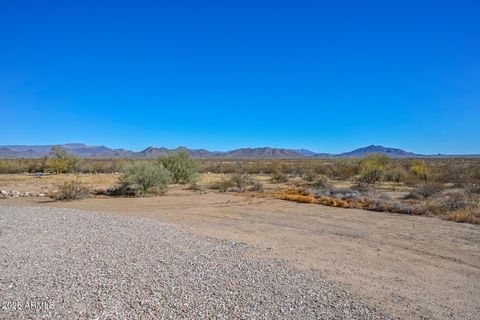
pixel 183 168
pixel 141 178
pixel 71 190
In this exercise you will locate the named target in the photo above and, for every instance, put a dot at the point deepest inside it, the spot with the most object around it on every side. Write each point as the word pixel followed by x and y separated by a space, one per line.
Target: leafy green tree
pixel 182 167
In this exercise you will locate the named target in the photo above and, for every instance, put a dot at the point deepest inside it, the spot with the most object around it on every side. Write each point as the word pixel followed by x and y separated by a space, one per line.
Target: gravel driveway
pixel 65 263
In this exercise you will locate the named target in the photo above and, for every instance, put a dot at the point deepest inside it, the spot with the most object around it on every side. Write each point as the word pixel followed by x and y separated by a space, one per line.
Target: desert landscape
pixel 240 160
pixel 405 247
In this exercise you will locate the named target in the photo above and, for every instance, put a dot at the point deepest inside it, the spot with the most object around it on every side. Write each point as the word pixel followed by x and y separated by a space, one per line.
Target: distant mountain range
pixel 84 151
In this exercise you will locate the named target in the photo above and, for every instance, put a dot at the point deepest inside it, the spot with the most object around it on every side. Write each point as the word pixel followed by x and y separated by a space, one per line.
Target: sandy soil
pixel 412 267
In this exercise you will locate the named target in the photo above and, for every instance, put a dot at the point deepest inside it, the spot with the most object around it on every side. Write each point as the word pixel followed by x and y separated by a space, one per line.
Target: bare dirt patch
pixel 412 267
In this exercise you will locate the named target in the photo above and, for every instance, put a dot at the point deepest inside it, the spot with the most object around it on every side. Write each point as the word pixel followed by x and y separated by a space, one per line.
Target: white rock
pixel 14 193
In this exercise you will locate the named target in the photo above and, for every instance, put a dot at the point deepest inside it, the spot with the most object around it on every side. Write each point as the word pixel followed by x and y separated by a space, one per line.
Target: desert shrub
pixel 473 189
pixel 343 169
pixel 322 182
pixel 34 165
pixel 362 186
pixel 309 169
pixel 369 177
pixel 223 185
pixel 279 178
pixel 10 166
pixel 257 187
pixel 449 172
pixel 455 201
pixel 278 166
pixel 394 174
pixel 98 166
pixel 60 161
pixel 229 167
pixel 425 190
pixel 57 165
pixel 420 169
pixel 195 187
pixel 371 169
pixel 71 190
pixel 182 167
pixel 140 178
pixel 256 167
pixel 240 181
pixel 466 216
pixel 473 174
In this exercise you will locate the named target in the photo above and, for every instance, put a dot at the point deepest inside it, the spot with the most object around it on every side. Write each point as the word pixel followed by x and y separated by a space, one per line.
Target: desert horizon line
pixel 302 151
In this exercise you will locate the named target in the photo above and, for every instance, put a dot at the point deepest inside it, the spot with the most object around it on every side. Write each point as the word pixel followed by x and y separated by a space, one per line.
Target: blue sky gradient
pixel 328 76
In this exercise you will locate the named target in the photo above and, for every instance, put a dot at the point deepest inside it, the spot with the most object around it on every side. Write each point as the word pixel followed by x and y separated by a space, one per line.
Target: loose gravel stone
pixel 61 263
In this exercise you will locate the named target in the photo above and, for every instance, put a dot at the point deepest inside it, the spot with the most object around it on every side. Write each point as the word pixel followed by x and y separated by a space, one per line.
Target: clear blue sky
pixel 326 75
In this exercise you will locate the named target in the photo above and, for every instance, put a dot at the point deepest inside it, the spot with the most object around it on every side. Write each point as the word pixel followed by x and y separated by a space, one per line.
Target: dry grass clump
pixel 238 183
pixel 296 198
pixel 332 202
pixel 71 190
pixel 466 216
pixel 295 195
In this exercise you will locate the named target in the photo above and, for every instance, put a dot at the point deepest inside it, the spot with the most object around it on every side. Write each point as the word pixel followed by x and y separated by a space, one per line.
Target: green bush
pixel 183 168
pixel 140 178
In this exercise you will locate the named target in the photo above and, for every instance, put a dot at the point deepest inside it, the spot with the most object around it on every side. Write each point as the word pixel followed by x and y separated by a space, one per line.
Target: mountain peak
pixel 391 152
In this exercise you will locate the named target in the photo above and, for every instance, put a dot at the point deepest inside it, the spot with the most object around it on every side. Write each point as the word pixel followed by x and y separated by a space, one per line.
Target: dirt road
pixel 411 267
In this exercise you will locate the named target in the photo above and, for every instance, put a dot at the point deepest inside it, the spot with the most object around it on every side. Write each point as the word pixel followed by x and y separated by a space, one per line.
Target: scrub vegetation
pixel 441 187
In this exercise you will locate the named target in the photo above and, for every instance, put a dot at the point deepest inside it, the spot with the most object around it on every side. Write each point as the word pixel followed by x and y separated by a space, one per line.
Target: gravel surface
pixel 70 264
